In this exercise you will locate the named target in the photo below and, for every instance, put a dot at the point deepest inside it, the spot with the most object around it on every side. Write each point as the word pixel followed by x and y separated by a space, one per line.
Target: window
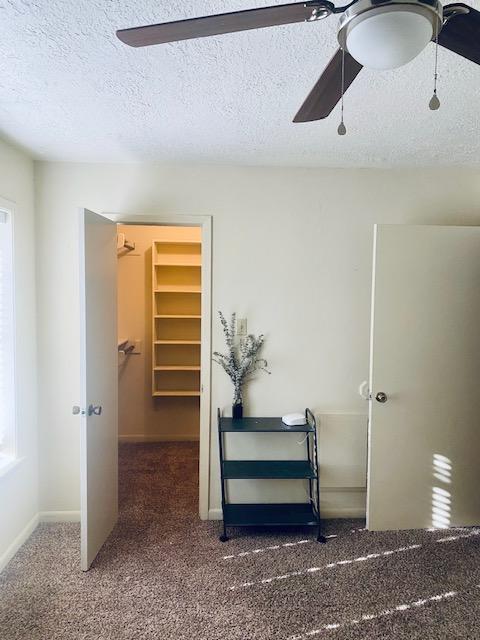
pixel 7 336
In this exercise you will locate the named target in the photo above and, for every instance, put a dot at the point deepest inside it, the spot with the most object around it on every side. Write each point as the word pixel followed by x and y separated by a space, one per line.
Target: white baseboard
pixel 22 537
pixel 59 516
pixel 158 438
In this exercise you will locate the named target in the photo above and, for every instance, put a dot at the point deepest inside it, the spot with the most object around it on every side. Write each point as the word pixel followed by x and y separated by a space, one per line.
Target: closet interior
pixel 159 332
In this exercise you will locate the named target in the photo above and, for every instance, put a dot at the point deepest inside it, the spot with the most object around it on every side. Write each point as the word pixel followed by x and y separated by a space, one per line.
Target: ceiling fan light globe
pixel 389 40
pixel 387 34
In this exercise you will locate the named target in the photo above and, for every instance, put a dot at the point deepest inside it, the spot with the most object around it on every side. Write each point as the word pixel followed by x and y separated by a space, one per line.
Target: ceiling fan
pixel 380 34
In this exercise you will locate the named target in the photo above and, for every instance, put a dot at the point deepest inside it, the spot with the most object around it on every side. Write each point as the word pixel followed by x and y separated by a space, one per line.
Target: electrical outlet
pixel 241 327
pixel 138 347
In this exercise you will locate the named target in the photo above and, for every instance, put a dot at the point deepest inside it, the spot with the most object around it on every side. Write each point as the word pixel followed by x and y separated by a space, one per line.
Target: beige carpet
pixel 164 575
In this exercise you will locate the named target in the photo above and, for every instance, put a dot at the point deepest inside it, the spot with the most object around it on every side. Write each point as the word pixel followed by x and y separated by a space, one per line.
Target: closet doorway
pixel 163 320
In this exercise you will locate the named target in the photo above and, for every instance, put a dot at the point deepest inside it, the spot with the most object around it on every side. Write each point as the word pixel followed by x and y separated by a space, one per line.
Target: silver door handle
pixel 381 397
pixel 76 410
pixel 94 411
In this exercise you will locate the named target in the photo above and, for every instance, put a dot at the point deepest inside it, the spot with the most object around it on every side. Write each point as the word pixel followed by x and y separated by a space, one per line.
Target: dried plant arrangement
pixel 241 361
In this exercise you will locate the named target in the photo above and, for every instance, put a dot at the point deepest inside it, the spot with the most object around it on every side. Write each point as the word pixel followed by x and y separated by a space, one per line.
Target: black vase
pixel 237 411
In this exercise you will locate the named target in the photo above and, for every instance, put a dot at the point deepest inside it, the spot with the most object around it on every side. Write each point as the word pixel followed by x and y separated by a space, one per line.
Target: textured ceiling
pixel 69 90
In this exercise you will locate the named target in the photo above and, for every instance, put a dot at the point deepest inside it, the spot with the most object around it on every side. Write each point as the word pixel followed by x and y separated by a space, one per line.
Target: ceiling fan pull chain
pixel 434 103
pixel 342 129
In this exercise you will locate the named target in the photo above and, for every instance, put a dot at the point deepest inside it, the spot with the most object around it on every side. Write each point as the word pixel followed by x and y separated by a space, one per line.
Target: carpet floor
pixel 164 575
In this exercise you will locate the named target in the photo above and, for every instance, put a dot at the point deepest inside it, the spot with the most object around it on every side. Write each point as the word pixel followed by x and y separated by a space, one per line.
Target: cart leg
pixel 224 537
pixel 320 537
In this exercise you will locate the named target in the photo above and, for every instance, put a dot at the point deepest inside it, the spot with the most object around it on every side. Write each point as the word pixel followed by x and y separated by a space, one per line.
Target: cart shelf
pixel 268 469
pixel 253 515
pixel 259 425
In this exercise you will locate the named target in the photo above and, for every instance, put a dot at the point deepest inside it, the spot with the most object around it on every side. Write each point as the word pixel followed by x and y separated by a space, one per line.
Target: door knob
pixel 94 411
pixel 381 397
pixel 76 410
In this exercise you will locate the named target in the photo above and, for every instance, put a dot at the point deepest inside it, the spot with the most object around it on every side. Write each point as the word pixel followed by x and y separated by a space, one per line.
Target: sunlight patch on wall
pixel 441 496
pixel 442 468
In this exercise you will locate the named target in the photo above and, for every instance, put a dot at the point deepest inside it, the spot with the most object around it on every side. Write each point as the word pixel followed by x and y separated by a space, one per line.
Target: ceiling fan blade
pixel 328 89
pixel 223 23
pixel 461 33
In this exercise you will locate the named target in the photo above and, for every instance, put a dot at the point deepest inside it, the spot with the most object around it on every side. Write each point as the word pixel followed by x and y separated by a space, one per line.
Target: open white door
pixel 424 431
pixel 99 441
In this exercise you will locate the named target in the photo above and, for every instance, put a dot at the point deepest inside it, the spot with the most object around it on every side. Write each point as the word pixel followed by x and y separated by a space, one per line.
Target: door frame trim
pixel 205 223
pixel 370 370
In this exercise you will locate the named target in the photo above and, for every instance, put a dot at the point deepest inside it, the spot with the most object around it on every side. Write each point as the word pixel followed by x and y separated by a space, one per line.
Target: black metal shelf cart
pixel 276 514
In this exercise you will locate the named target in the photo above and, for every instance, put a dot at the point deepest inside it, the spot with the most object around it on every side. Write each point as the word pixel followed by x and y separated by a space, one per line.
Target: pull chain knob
pixel 434 103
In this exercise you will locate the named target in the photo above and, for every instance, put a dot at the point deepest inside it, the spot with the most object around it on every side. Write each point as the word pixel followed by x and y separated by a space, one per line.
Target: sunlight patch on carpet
pixel 331 565
pixel 367 617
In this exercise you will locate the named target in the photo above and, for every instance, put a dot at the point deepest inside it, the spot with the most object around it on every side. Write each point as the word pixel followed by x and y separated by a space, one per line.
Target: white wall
pixel 291 252
pixel 19 486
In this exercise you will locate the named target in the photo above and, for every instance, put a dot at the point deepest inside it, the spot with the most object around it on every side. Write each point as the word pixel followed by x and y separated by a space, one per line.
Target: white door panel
pixel 98 311
pixel 424 441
